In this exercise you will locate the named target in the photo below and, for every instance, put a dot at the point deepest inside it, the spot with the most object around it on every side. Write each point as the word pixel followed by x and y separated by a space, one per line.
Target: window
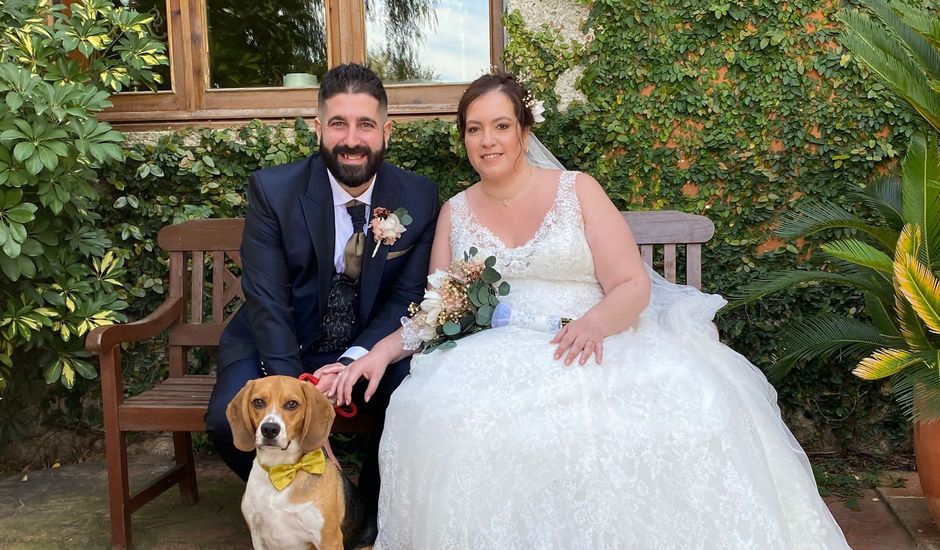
pixel 234 60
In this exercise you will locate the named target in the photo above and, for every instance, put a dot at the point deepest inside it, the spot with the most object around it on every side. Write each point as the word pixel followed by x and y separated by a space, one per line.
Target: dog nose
pixel 270 430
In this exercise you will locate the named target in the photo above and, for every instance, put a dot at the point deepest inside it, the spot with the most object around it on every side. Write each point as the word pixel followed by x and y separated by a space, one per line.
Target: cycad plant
pixel 894 258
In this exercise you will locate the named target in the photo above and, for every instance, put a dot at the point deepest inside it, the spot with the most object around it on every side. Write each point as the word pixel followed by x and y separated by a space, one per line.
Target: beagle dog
pixel 295 496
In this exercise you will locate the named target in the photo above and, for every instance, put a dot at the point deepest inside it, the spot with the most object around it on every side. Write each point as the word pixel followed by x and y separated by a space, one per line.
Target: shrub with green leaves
pixel 58 279
pixel 892 257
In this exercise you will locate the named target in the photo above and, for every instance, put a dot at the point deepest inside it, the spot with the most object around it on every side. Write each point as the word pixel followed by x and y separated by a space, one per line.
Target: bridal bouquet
pixel 461 301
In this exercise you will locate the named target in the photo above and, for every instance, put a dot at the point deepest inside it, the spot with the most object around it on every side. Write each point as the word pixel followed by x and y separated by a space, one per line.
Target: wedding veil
pixel 670 303
pixel 539 156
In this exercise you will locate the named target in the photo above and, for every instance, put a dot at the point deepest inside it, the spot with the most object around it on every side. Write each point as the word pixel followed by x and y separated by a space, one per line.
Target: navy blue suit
pixel 287 267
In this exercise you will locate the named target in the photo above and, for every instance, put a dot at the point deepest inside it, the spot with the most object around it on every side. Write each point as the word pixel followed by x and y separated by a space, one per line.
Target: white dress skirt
pixel 675 441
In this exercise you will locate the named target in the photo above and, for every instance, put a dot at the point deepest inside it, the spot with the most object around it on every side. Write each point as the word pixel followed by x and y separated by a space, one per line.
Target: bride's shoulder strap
pixel 567 205
pixel 566 180
pixel 459 211
pixel 567 198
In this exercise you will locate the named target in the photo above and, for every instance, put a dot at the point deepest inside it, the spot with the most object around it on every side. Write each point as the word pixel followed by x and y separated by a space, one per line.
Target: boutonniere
pixel 388 226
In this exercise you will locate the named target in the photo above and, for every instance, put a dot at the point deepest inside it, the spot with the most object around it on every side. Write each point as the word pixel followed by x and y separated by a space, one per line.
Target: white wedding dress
pixel 674 442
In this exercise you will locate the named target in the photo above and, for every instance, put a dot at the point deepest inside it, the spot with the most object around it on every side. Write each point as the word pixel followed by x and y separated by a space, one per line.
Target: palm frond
pixel 908 242
pixel 878 308
pixel 858 252
pixel 919 47
pixel 921 288
pixel 925 22
pixel 888 58
pixel 884 195
pixel 917 389
pixel 815 216
pixel 822 336
pixel 885 362
pixel 922 201
pixel 912 328
pixel 880 286
pixel 776 281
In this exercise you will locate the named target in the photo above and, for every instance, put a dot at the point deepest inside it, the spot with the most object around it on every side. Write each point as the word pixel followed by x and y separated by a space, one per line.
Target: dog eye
pixel 291 405
pixel 257 403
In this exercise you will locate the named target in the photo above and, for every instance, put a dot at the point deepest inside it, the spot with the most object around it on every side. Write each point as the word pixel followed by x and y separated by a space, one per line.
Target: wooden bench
pixel 203 294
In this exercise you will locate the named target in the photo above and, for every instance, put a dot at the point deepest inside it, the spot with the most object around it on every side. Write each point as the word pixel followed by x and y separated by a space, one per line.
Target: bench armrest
pixel 102 339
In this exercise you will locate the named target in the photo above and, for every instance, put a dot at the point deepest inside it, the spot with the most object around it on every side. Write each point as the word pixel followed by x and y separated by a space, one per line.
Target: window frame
pixel 190 101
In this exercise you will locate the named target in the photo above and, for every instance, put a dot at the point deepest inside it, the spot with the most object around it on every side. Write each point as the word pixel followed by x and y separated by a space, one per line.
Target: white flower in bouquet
pixel 432 306
pixel 437 278
pixel 459 302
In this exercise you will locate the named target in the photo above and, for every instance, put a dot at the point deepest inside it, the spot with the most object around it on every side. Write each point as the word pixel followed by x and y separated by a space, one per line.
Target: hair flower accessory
pixel 388 226
pixel 536 107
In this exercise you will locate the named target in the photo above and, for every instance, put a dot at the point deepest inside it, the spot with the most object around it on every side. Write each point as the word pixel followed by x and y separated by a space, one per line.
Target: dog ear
pixel 239 419
pixel 318 419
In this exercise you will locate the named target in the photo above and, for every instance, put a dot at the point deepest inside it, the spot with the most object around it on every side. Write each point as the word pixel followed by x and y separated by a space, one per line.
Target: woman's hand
pixel 370 366
pixel 582 337
pixel 327 374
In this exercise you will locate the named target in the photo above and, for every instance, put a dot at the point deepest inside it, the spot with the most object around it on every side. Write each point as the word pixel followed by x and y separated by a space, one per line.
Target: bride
pixel 631 427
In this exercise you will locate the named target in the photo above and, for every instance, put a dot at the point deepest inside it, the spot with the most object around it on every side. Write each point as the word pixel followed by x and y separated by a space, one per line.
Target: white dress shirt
pixel 344 229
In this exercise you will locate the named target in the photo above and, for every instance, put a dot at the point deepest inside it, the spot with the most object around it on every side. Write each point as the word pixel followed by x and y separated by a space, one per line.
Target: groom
pixel 320 291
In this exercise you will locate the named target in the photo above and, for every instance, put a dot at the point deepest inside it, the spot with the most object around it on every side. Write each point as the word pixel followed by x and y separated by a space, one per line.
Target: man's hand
pixel 328 375
pixel 370 367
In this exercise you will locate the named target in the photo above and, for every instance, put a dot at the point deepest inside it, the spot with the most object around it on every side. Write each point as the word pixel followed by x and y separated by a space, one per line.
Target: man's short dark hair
pixel 352 78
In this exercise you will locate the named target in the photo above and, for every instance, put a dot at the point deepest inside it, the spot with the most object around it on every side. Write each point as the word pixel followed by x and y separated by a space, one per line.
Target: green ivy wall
pixel 735 110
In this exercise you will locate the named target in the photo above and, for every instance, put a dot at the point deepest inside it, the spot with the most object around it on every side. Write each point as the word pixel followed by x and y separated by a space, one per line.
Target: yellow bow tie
pixel 282 475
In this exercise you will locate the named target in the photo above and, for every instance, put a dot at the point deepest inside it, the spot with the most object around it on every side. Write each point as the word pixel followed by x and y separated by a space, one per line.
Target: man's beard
pixel 352 176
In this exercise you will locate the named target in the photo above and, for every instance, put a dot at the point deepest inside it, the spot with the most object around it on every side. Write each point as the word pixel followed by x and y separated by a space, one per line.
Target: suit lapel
pixel 384 195
pixel 317 204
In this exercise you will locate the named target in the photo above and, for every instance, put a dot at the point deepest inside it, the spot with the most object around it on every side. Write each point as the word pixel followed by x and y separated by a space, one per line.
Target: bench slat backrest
pixel 211 297
pixel 673 231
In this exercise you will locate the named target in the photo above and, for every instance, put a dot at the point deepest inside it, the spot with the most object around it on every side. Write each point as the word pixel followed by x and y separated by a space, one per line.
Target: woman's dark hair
pixel 500 81
pixel 351 78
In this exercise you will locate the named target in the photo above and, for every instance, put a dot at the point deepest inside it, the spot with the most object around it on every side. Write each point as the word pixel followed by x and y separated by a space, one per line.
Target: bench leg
pixel 118 489
pixel 183 449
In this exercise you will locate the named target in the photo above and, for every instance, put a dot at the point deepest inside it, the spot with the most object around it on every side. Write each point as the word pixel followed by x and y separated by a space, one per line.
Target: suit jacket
pixel 287 263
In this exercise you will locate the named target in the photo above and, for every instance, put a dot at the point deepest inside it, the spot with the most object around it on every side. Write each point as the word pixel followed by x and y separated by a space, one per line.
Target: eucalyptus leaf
pixel 490 276
pixel 451 328
pixel 485 315
pixel 483 295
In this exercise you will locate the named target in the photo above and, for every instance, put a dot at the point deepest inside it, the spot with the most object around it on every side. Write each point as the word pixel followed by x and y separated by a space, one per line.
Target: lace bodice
pixel 553 271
